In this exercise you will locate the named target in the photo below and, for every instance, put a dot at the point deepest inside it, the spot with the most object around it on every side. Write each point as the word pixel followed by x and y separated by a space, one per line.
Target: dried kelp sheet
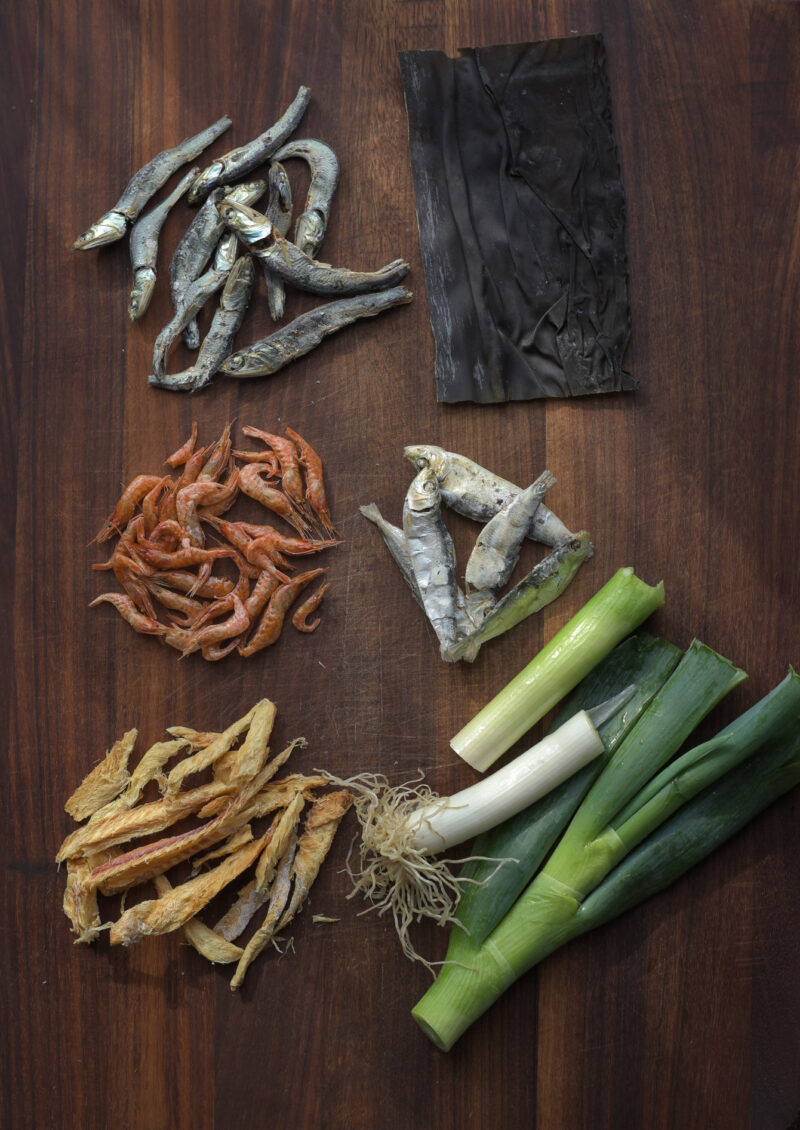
pixel 521 216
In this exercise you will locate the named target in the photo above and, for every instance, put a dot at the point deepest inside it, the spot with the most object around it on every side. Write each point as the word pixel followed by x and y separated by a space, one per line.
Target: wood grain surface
pixel 684 1013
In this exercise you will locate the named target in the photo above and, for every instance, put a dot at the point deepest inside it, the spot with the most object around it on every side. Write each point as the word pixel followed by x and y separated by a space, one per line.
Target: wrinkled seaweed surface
pixel 521 215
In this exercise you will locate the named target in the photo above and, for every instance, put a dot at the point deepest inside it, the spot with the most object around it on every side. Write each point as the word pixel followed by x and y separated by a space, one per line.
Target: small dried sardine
pixel 471 490
pixel 144 184
pixel 217 343
pixel 106 780
pixel 144 248
pixel 237 162
pixel 498 546
pixel 299 269
pixel 430 548
pixel 307 331
pixel 192 302
pixel 540 587
pixel 226 253
pixel 324 165
pixel 279 213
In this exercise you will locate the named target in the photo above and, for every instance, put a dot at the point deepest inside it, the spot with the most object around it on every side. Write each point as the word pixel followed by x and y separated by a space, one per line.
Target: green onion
pixel 559 903
pixel 619 607
pixel 523 841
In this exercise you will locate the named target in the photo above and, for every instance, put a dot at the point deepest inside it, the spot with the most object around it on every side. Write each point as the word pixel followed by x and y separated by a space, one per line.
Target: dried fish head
pixel 425 456
pixel 251 225
pixel 144 284
pixel 107 229
pixel 208 179
pixel 423 494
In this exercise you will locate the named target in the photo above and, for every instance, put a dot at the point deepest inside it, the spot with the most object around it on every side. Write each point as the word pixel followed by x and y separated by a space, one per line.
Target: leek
pixel 523 841
pixel 616 610
pixel 587 880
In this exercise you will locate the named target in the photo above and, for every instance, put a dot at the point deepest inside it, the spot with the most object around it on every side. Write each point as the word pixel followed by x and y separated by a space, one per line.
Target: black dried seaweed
pixel 521 215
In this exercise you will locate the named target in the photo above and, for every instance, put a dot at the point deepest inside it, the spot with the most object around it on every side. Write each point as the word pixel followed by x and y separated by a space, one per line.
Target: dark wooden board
pixel 681 1014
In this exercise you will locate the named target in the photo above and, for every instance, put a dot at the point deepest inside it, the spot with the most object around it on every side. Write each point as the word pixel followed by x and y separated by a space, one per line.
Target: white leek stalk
pixel 438 826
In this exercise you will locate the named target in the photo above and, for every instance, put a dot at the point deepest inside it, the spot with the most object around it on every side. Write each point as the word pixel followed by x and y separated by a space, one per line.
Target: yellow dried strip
pixel 208 944
pixel 174 909
pixel 80 904
pixel 240 837
pixel 277 901
pixel 143 820
pixel 152 762
pixel 314 844
pixel 275 847
pixel 133 867
pixel 208 754
pixel 105 781
pixel 239 765
pixel 198 738
pixel 274 796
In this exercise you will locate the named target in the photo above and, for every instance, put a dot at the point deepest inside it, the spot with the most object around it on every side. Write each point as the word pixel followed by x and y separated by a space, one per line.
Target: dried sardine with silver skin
pixel 217 343
pixel 324 166
pixel 192 302
pixel 144 248
pixel 237 162
pixel 144 184
pixel 226 252
pixel 279 213
pixel 299 269
pixel 498 546
pixel 430 548
pixel 540 587
pixel 471 490
pixel 307 331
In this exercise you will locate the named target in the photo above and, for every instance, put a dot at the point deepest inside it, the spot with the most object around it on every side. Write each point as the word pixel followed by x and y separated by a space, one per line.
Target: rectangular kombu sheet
pixel 521 216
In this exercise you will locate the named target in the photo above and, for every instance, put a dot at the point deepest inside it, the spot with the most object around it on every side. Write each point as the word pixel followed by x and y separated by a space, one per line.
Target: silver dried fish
pixel 306 332
pixel 498 546
pixel 471 490
pixel 144 184
pixel 430 548
pixel 279 213
pixel 233 304
pixel 144 248
pixel 192 302
pixel 324 166
pixel 238 162
pixel 294 266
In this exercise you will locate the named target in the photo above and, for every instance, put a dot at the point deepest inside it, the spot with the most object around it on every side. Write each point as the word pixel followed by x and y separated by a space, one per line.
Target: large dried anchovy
pixel 144 248
pixel 521 215
pixel 324 165
pixel 217 343
pixel 306 332
pixel 144 184
pixel 240 161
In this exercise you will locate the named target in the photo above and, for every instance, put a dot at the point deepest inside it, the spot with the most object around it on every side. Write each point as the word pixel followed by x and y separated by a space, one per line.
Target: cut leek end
pixel 617 609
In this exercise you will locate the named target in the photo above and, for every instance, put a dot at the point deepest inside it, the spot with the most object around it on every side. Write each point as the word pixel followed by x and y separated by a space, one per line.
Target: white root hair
pixel 390 872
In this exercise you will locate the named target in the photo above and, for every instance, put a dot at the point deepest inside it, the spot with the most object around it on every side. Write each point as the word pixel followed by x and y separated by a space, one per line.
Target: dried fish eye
pixel 236 361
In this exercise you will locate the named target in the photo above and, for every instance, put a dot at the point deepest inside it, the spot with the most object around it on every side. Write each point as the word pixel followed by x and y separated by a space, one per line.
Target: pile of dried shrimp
pixel 172 536
pixel 119 847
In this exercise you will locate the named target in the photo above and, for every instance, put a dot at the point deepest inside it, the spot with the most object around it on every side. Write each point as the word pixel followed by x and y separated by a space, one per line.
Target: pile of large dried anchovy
pixel 207 258
pixel 423 549
pixel 163 563
pixel 120 846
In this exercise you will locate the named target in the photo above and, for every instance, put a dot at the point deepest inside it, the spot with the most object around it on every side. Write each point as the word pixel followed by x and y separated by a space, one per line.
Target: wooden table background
pixel 683 1014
